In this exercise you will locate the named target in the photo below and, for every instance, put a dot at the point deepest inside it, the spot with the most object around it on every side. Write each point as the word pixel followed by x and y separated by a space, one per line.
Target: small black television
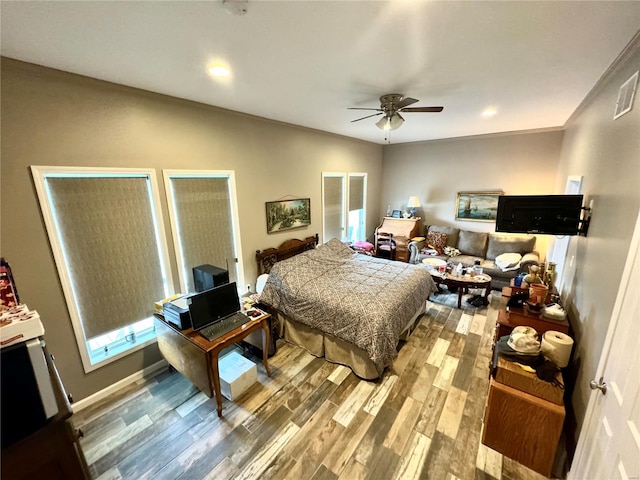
pixel 539 214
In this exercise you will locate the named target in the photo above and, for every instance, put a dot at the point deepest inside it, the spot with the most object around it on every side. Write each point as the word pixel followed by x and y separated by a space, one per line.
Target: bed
pixel 350 308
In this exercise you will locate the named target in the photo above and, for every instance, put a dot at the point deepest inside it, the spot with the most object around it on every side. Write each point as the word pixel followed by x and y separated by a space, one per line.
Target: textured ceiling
pixel 305 62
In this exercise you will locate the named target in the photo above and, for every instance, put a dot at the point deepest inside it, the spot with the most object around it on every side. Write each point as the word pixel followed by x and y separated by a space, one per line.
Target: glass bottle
pixel 550 275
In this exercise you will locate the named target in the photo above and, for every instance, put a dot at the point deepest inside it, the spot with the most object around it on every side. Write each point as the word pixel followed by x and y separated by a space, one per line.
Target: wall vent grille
pixel 625 96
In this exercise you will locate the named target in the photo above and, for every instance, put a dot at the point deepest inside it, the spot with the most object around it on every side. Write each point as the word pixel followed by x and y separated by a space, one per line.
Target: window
pixel 203 213
pixel 108 242
pixel 356 222
pixel 344 206
pixel 333 206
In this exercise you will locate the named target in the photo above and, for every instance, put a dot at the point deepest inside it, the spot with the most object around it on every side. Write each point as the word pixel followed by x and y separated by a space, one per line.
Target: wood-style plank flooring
pixel 316 420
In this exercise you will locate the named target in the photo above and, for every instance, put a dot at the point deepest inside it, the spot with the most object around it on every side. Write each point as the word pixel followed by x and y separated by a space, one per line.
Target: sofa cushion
pixel 509 243
pixel 473 243
pixel 465 260
pixel 437 241
pixel 452 233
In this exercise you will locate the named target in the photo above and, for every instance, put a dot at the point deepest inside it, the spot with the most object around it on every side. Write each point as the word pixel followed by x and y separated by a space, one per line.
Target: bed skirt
pixel 334 349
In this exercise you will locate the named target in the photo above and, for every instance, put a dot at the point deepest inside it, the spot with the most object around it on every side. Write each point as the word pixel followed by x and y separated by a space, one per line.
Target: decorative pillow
pixel 508 261
pixel 366 246
pixel 437 241
pixel 451 251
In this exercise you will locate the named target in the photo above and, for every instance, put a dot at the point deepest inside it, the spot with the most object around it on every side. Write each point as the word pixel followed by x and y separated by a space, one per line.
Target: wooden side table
pixel 507 320
pixel 196 358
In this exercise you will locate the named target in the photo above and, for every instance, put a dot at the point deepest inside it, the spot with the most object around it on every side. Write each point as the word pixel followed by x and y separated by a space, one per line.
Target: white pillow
pixel 508 261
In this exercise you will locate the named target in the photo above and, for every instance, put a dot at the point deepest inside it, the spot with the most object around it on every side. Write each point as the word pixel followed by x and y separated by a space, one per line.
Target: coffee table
pixel 463 283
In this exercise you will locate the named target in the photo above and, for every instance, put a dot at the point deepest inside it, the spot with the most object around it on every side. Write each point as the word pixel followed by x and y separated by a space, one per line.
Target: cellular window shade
pixel 356 193
pixel 203 211
pixel 107 232
pixel 333 208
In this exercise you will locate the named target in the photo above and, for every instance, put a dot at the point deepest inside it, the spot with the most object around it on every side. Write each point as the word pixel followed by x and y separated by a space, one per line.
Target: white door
pixel 561 244
pixel 609 444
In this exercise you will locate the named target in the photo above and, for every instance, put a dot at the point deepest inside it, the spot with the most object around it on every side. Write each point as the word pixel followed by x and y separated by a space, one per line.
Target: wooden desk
pixel 196 358
pixel 403 230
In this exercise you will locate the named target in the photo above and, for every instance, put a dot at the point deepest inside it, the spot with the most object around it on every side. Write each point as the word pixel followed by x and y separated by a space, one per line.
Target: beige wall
pixel 606 153
pixel 55 118
pixel 518 164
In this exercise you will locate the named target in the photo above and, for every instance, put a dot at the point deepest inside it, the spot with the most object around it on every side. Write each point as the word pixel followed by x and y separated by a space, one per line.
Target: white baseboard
pixel 150 371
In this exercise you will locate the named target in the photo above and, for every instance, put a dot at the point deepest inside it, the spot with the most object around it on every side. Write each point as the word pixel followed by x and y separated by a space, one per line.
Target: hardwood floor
pixel 316 420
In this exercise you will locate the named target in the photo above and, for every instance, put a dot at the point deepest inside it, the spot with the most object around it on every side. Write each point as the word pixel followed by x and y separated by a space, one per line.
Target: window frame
pixel 364 200
pixel 40 175
pixel 168 174
pixel 343 225
pixel 346 176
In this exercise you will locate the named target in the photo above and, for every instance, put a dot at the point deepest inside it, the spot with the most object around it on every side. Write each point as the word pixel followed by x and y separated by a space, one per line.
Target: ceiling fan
pixel 390 107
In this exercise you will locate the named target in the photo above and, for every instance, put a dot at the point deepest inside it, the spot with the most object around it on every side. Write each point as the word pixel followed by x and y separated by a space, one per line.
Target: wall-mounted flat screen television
pixel 539 214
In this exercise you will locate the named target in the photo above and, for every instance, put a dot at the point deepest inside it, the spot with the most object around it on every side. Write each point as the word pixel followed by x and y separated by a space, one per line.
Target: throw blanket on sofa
pixel 363 300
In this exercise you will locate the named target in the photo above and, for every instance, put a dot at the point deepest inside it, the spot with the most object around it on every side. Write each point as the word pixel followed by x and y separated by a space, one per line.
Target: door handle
pixel 601 385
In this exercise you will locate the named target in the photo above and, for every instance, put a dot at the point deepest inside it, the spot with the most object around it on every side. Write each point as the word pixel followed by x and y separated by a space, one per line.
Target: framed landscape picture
pixel 287 214
pixel 477 206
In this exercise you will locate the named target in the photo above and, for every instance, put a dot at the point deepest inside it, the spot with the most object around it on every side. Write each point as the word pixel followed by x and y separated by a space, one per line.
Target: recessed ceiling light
pixel 489 112
pixel 219 71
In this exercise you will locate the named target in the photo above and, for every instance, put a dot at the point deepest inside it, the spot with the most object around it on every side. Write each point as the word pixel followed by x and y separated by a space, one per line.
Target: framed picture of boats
pixel 477 206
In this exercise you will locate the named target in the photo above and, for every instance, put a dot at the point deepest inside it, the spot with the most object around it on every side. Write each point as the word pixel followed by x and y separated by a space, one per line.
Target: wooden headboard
pixel 268 257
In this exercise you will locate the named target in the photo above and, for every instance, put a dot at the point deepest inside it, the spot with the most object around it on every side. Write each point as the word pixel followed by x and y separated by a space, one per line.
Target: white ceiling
pixel 305 62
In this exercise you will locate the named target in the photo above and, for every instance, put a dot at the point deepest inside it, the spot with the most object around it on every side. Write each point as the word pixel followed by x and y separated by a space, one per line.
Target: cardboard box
pixel 508 373
pixel 237 374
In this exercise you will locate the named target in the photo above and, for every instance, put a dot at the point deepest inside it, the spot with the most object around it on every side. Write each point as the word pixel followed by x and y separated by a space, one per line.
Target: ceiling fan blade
pixel 368 116
pixel 405 102
pixel 422 109
pixel 357 108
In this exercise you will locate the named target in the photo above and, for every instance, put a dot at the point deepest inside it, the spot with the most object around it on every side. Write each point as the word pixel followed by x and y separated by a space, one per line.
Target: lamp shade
pixel 390 122
pixel 413 202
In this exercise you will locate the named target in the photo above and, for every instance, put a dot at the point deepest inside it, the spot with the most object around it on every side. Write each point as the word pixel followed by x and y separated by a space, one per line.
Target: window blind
pixel 204 221
pixel 333 207
pixel 108 236
pixel 356 192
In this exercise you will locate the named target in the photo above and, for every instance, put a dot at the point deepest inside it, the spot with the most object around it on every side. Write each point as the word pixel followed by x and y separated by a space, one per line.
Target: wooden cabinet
pixel 523 427
pixel 524 415
pixel 51 453
pixel 402 230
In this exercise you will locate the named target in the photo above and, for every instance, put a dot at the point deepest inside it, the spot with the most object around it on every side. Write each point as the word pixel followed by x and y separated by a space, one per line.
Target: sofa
pixel 501 255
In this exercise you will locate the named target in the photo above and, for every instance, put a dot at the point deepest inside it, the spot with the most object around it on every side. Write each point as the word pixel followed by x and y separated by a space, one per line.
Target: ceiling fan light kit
pixel 390 106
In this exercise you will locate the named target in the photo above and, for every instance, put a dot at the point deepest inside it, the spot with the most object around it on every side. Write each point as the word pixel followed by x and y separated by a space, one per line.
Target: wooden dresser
pixel 403 230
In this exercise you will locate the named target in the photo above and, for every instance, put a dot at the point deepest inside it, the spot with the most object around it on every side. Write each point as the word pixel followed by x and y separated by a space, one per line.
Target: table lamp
pixel 412 204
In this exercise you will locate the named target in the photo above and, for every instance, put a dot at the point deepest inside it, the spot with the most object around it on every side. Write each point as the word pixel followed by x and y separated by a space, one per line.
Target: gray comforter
pixel 363 300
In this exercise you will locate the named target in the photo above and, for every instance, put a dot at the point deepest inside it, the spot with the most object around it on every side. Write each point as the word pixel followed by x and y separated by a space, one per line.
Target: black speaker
pixel 205 277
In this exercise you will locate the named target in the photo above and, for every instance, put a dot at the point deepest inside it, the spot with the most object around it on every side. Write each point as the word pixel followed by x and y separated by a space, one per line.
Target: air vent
pixel 625 96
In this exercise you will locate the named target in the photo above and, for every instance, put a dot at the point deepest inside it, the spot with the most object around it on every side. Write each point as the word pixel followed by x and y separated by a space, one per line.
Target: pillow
pixel 451 251
pixel 508 261
pixel 473 243
pixel 366 246
pixel 337 248
pixel 437 241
